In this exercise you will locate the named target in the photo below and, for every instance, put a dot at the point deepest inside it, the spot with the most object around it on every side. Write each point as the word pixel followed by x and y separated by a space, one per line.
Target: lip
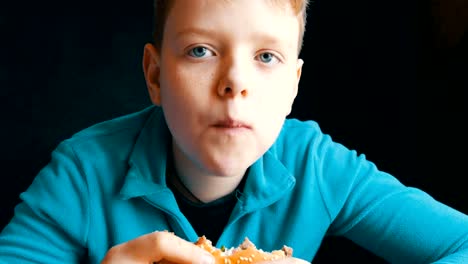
pixel 230 123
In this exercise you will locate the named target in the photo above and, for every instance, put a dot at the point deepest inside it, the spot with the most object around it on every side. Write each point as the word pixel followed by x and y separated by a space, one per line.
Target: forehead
pixel 182 7
pixel 235 18
pixel 285 5
pixel 281 5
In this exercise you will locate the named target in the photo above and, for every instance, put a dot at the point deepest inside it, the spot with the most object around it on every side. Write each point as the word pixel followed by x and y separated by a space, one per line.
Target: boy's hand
pixel 156 247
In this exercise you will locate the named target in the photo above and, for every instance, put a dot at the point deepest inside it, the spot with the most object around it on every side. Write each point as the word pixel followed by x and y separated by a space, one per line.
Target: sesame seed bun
pixel 245 253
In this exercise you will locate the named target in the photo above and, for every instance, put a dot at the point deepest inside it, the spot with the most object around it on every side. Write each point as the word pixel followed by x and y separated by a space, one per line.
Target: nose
pixel 234 79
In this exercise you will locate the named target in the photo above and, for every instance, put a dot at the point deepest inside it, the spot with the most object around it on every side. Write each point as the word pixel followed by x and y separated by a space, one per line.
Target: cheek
pixel 279 93
pixel 188 83
pixel 274 103
pixel 267 132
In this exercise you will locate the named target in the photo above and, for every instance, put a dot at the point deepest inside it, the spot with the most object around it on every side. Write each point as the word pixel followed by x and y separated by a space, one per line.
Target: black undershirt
pixel 208 219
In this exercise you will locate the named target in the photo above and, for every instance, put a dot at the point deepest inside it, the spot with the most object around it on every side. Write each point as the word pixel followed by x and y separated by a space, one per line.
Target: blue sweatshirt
pixel 106 185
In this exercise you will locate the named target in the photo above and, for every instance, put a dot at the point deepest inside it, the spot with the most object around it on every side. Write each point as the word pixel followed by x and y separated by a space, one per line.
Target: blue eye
pixel 267 57
pixel 199 52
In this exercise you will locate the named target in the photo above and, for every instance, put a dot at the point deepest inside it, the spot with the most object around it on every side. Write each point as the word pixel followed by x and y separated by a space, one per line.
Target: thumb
pixel 171 248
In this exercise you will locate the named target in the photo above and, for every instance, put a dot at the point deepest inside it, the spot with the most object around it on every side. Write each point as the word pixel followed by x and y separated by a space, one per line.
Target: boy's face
pixel 226 78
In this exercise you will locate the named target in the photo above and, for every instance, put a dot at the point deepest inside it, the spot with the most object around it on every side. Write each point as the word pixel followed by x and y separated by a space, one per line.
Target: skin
pixel 226 78
pixel 155 247
pixel 215 69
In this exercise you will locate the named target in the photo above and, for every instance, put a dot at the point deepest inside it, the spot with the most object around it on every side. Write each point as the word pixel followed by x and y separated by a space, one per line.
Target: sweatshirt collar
pixel 268 179
pixel 147 162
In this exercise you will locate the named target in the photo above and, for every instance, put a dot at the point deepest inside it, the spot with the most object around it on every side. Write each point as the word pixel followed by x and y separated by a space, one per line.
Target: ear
pixel 151 69
pixel 299 64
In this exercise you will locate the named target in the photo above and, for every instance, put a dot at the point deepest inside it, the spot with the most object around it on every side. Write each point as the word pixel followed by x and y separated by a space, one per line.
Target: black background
pixel 386 78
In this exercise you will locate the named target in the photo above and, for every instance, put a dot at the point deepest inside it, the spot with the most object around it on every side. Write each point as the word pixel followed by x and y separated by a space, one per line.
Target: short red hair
pixel 162 8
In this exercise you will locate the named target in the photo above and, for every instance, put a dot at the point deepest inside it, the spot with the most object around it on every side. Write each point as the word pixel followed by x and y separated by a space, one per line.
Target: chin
pixel 227 171
pixel 229 167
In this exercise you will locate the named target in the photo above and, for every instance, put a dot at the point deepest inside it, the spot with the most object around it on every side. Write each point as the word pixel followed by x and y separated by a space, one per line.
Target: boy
pixel 216 157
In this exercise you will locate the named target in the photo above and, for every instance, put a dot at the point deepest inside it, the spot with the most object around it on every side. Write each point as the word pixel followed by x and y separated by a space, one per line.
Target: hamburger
pixel 245 253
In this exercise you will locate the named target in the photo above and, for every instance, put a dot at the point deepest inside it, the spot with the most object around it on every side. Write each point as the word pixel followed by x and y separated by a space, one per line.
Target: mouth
pixel 231 124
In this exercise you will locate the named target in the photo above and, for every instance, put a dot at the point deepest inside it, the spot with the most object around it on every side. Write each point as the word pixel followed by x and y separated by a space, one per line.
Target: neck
pixel 206 187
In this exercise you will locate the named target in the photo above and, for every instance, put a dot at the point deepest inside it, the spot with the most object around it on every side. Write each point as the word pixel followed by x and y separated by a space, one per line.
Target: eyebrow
pixel 194 31
pixel 261 37
pixel 258 37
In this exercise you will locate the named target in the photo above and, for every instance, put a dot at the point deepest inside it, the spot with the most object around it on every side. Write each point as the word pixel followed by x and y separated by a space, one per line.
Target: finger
pixel 169 247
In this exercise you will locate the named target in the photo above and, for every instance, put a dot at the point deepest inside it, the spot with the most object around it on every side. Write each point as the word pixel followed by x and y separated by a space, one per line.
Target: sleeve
pixel 51 222
pixel 373 209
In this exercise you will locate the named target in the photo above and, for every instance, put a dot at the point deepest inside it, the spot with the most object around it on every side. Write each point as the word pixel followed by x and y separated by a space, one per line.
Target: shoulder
pixel 301 142
pixel 112 139
pixel 295 126
pixel 100 153
pixel 127 124
pixel 297 137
